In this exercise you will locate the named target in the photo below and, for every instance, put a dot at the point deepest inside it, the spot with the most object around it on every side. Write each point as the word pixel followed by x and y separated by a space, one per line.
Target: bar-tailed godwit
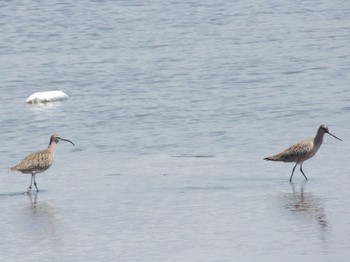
pixel 39 161
pixel 302 151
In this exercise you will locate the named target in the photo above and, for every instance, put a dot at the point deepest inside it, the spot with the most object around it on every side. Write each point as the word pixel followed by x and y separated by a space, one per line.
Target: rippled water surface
pixel 172 107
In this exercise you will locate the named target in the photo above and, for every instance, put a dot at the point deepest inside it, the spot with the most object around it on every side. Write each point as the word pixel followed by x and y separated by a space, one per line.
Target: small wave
pixel 194 156
pixel 6 195
pixel 115 174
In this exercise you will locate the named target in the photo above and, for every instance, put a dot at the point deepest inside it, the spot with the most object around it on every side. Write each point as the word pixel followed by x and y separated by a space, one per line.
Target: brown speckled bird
pixel 40 161
pixel 302 151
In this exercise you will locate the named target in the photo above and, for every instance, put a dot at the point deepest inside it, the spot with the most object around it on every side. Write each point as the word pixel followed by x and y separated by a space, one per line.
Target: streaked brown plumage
pixel 302 151
pixel 39 161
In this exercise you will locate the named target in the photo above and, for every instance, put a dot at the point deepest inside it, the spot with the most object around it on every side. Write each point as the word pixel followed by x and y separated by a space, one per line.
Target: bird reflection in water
pixel 41 224
pixel 33 199
pixel 309 212
pixel 308 205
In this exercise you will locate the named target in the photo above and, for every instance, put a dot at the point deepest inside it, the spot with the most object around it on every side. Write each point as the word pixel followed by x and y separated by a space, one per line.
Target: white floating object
pixel 44 97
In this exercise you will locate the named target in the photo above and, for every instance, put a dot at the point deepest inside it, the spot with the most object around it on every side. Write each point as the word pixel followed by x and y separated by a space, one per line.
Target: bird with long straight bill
pixel 302 151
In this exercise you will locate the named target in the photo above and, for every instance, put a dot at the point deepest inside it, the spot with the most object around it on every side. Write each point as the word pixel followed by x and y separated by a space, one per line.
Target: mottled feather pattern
pixel 39 161
pixel 303 150
pixel 296 153
pixel 35 162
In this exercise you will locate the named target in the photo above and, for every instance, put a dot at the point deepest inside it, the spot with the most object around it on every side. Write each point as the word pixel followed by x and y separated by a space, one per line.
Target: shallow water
pixel 172 107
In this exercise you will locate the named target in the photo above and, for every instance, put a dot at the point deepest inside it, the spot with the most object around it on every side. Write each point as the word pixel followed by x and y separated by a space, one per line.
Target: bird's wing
pixel 296 152
pixel 34 162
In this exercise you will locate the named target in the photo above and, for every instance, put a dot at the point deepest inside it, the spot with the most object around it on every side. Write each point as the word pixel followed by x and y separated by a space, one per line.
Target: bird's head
pixel 325 129
pixel 56 138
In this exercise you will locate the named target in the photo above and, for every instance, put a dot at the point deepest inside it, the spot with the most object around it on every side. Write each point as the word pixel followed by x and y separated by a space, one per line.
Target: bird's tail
pixel 13 169
pixel 272 158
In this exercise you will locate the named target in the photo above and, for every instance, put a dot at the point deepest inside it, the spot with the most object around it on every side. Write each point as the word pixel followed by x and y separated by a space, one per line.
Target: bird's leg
pixel 301 169
pixel 37 190
pixel 31 182
pixel 290 179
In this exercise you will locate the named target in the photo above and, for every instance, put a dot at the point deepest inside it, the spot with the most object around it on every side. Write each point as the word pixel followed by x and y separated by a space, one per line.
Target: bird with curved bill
pixel 39 161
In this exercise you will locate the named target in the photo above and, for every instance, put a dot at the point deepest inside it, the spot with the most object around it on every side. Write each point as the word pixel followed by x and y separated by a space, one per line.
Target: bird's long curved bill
pixel 67 141
pixel 334 136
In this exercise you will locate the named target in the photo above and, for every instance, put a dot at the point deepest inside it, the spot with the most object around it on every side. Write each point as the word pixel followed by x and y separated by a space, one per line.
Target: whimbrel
pixel 39 161
pixel 302 151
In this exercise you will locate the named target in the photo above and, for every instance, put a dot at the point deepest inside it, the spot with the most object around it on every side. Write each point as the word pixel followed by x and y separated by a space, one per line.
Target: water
pixel 172 107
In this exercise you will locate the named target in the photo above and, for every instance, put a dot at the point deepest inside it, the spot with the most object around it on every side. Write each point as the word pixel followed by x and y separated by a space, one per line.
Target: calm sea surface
pixel 172 107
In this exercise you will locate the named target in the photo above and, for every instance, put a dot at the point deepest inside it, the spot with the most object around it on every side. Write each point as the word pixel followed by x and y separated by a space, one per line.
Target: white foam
pixel 48 96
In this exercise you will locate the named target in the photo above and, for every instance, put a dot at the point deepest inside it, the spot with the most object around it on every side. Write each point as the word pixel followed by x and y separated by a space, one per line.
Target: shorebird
pixel 302 151
pixel 39 161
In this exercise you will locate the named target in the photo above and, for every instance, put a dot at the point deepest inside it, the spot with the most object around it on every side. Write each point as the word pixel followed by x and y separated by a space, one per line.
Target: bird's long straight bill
pixel 67 141
pixel 334 136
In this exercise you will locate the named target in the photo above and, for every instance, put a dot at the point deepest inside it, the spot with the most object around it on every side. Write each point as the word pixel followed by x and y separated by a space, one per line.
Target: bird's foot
pixel 29 191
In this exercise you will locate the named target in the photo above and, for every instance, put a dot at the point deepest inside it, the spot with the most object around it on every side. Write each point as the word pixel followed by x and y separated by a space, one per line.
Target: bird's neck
pixel 52 147
pixel 318 138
